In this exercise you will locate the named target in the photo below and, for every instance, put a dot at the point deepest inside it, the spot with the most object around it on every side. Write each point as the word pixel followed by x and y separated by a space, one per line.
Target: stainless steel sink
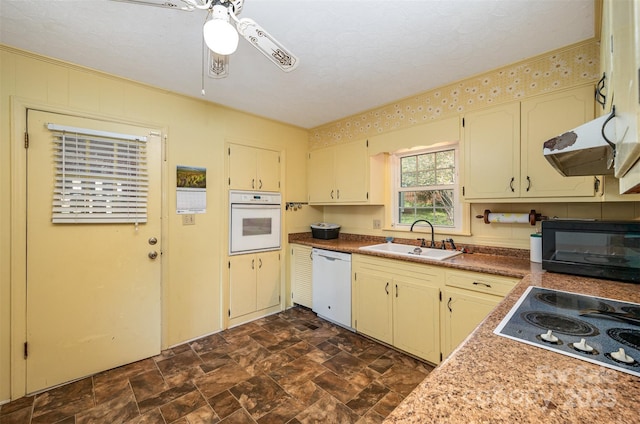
pixel 409 250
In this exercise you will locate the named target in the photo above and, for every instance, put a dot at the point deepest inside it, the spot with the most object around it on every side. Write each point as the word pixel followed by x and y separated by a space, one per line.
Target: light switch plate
pixel 188 219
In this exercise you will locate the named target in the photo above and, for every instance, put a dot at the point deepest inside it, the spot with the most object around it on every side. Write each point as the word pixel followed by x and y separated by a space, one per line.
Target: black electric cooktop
pixel 598 330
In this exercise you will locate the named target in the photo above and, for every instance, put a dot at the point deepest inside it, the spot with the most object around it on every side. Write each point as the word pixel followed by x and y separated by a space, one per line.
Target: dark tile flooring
pixel 292 367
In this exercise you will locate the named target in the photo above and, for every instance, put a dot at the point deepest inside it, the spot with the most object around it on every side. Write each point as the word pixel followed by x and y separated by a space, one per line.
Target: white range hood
pixel 584 150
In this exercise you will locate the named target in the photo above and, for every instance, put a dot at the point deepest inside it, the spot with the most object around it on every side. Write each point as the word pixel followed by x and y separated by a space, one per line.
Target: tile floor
pixel 292 367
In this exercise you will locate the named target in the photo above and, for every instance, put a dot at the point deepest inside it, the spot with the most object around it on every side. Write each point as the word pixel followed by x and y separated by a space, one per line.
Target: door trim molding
pixel 18 237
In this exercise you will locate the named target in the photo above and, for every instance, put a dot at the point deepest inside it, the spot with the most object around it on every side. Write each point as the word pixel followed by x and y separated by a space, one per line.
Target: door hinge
pixel 26 140
pixel 26 350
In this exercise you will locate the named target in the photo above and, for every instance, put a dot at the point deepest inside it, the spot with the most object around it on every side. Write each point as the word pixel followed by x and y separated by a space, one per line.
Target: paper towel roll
pixel 509 218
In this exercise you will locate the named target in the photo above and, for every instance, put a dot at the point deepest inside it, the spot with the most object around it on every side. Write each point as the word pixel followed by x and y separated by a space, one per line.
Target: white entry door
pixel 93 289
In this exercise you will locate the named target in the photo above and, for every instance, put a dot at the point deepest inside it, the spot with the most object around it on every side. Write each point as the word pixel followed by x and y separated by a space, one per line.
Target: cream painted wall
pixel 196 134
pixel 359 220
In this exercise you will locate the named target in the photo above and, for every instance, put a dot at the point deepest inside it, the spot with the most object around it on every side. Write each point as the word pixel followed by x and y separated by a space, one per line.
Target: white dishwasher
pixel 331 282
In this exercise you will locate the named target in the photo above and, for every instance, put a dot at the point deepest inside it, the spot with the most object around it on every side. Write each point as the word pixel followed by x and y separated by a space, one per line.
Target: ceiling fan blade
pixel 175 4
pixel 268 46
pixel 218 65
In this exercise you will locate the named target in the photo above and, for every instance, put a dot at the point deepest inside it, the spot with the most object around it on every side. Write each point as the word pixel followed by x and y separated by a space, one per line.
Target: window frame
pixel 397 189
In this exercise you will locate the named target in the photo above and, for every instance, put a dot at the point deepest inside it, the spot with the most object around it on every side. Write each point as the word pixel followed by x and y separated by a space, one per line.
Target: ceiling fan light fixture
pixel 219 35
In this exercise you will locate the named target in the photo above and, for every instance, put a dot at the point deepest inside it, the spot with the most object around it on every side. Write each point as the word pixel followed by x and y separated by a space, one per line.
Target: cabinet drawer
pixel 484 283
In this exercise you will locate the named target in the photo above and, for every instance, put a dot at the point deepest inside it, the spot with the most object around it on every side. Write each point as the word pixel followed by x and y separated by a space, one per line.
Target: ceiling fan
pixel 221 38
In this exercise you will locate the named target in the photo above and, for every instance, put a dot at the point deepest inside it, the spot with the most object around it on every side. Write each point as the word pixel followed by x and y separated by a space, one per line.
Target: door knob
pixel 153 241
pixel 153 254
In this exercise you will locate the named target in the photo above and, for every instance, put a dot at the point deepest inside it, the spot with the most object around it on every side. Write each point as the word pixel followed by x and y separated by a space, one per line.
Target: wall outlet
pixel 376 224
pixel 188 219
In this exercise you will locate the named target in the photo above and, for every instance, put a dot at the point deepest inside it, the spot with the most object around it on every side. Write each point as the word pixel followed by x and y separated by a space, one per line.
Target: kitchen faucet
pixel 433 241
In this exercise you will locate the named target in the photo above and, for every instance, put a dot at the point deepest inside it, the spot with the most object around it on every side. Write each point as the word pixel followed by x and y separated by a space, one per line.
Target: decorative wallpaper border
pixel 563 68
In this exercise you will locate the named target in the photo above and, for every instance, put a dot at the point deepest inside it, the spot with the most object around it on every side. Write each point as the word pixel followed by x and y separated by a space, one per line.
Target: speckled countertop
pixel 492 379
pixel 508 262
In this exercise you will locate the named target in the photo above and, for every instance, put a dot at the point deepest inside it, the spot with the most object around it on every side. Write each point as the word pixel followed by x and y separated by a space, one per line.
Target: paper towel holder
pixel 533 217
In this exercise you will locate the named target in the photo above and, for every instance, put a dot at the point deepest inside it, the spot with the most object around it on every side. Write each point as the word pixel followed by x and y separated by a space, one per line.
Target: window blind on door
pixel 100 177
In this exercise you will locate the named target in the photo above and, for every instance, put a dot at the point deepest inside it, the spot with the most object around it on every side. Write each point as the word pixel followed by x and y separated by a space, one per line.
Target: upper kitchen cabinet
pixel 253 168
pixel 503 148
pixel 620 62
pixel 346 174
pixel 543 118
pixel 492 152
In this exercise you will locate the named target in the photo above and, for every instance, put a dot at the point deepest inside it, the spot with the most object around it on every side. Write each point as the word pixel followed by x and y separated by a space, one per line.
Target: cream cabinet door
pixel 462 311
pixel 301 284
pixel 492 152
pixel 625 14
pixel 545 117
pixel 242 285
pixel 416 319
pixel 373 306
pixel 351 172
pixel 253 168
pixel 268 170
pixel 321 178
pixel 243 162
pixel 267 280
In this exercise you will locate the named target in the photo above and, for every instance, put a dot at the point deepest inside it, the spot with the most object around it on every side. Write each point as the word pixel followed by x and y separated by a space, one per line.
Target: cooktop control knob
pixel 621 356
pixel 583 346
pixel 549 337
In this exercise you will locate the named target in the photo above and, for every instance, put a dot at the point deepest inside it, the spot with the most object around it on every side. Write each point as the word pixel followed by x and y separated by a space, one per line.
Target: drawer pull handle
pixel 449 305
pixel 477 283
pixel 386 288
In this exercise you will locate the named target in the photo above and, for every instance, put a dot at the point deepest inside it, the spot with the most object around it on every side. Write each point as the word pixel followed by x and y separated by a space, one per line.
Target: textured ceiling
pixel 354 54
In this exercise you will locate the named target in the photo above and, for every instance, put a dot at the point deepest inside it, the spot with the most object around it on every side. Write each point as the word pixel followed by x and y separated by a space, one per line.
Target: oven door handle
pixel 253 206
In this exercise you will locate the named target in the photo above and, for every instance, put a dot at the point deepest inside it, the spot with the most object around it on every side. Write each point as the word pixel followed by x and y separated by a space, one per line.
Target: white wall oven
pixel 254 221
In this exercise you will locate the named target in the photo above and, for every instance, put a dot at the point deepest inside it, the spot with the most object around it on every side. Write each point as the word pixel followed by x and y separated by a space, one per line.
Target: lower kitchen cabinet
pixel 301 275
pixel 254 283
pixel 414 328
pixel 373 310
pixel 397 303
pixel 467 299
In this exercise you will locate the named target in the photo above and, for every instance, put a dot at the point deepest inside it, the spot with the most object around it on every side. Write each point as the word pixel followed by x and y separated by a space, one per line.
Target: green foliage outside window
pixel 426 188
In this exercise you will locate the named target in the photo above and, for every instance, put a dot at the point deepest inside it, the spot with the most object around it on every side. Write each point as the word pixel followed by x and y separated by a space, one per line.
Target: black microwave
pixel 600 249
